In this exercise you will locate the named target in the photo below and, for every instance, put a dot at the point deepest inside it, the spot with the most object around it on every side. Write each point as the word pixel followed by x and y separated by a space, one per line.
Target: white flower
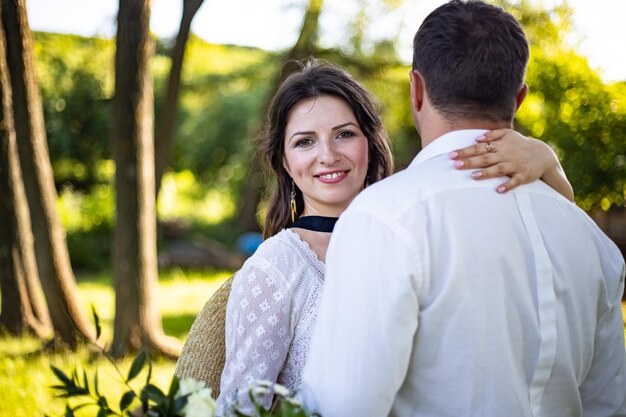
pixel 264 383
pixel 200 404
pixel 190 386
pixel 281 390
pixel 293 401
pixel 258 391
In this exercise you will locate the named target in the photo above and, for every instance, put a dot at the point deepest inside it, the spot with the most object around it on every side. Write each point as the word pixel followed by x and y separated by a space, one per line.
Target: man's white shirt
pixel 445 298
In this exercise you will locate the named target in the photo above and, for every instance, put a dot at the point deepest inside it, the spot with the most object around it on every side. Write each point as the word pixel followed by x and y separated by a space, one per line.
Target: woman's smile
pixel 332 177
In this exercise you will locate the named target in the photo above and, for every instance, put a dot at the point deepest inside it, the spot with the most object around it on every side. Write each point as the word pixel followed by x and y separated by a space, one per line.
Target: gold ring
pixel 490 147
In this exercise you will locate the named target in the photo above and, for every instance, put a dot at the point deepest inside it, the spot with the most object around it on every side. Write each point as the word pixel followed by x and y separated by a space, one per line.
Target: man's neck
pixel 431 131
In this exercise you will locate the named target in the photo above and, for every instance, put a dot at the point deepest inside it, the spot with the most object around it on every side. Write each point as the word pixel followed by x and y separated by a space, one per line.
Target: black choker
pixel 315 223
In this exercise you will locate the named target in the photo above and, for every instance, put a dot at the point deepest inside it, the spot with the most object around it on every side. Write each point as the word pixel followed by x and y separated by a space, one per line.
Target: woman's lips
pixel 332 177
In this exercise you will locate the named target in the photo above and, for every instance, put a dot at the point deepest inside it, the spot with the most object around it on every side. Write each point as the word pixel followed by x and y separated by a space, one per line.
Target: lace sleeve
pixel 258 331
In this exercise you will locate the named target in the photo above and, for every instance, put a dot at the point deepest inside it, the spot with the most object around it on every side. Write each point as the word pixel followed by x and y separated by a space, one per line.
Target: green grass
pixel 25 377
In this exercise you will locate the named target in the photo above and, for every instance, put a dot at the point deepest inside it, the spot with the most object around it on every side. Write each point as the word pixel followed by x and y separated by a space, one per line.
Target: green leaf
pixel 149 376
pixel 86 381
pixel 102 402
pixel 96 321
pixel 174 386
pixel 95 383
pixel 180 403
pixel 137 366
pixel 76 391
pixel 126 400
pixel 154 393
pixel 62 376
pixel 68 411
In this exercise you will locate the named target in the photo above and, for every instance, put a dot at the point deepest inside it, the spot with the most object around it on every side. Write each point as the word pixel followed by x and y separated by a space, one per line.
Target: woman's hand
pixel 504 152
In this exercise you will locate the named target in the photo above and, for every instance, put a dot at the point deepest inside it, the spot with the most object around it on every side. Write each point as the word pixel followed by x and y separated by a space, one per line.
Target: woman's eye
pixel 345 134
pixel 304 142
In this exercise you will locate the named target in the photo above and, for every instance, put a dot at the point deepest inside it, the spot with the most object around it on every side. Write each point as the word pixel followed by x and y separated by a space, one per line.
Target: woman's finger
pixel 479 161
pixel 512 183
pixel 494 171
pixel 473 151
pixel 493 135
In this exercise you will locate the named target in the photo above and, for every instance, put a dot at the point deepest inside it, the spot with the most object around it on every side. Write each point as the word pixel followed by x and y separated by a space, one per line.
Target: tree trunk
pixel 167 115
pixel 52 257
pixel 305 46
pixel 20 312
pixel 137 321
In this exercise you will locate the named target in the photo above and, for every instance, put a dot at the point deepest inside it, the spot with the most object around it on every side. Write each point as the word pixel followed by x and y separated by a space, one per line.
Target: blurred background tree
pixel 223 93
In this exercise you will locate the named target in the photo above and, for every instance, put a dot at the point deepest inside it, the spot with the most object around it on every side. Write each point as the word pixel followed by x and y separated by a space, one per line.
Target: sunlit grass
pixel 180 296
pixel 25 378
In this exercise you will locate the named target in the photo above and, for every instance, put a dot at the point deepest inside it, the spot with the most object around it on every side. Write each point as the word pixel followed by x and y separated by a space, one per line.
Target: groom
pixel 444 298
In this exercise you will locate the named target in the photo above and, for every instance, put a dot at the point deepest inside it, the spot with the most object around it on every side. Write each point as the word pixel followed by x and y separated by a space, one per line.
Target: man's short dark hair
pixel 473 58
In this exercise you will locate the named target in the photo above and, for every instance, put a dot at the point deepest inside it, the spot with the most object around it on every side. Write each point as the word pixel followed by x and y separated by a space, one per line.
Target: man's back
pixel 493 305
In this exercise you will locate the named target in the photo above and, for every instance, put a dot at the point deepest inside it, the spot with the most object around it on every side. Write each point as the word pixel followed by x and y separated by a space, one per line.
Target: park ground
pixel 25 375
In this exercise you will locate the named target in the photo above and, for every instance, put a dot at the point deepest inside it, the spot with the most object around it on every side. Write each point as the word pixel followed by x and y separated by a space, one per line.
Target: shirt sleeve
pixel 603 392
pixel 258 332
pixel 362 342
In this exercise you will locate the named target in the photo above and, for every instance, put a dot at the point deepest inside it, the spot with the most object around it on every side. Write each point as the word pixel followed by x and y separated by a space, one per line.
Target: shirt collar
pixel 447 143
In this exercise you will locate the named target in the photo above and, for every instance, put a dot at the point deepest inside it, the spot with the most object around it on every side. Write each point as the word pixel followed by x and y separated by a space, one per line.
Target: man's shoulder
pixel 388 192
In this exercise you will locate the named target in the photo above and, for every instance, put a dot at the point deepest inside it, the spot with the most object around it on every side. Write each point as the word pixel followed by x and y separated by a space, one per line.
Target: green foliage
pixel 224 90
pixel 26 377
pixel 88 219
pixel 570 108
pixel 153 401
pixel 76 79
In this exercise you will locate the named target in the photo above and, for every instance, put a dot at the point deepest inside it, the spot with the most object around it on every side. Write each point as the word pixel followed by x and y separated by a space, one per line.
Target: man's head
pixel 471 58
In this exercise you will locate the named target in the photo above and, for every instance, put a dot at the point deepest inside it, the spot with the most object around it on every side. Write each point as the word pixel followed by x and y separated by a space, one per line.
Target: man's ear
pixel 416 90
pixel 521 95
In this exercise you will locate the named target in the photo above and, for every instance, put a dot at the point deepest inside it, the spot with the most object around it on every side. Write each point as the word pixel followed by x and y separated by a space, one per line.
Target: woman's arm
pixel 522 159
pixel 258 332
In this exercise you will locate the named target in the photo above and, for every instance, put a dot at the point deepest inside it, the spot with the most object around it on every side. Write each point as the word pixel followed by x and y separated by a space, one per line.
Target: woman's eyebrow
pixel 344 125
pixel 309 132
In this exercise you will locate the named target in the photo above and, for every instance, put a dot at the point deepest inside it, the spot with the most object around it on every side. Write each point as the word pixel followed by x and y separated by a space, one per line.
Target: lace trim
pixel 315 261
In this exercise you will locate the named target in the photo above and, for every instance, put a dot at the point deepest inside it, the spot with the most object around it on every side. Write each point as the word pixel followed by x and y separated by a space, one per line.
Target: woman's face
pixel 326 154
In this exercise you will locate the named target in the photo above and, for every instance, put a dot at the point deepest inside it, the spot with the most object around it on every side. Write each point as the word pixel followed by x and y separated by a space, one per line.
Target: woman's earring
pixel 293 201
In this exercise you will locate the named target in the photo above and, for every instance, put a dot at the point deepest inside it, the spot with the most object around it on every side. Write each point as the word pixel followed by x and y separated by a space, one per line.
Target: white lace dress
pixel 270 315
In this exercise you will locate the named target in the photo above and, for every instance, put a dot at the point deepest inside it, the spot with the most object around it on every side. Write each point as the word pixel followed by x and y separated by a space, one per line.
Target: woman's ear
pixel 286 166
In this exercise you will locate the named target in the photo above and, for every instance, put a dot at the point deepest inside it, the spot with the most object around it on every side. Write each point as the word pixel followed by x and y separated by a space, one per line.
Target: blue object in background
pixel 248 242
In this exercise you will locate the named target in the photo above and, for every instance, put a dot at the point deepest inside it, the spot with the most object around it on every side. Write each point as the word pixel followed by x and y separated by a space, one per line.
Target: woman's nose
pixel 328 153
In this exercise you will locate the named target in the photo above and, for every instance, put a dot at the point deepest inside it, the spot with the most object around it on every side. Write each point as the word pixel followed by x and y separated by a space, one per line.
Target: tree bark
pixel 18 272
pixel 52 257
pixel 167 115
pixel 305 46
pixel 137 321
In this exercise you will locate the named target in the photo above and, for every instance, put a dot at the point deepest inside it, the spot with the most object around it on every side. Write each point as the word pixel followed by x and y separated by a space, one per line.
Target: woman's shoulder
pixel 281 244
pixel 277 255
